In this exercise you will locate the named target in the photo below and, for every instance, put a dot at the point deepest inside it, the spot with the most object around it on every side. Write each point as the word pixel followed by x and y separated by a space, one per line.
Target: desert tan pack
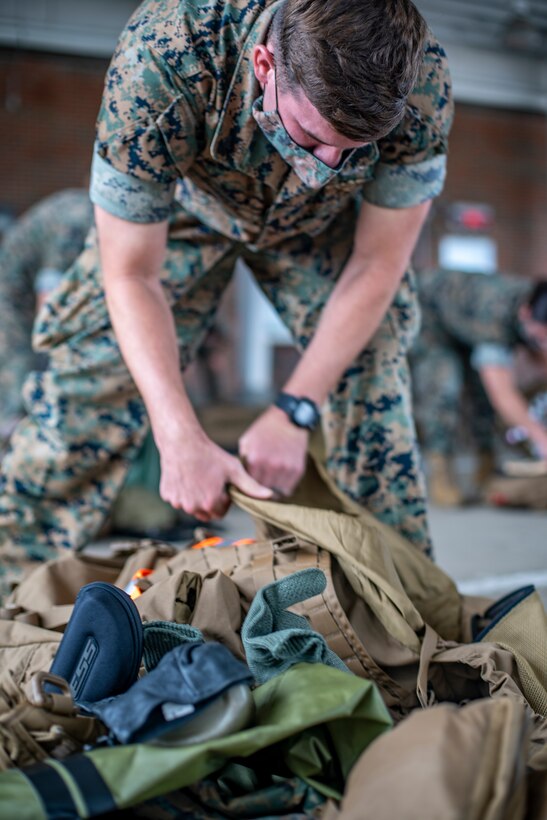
pixel 36 724
pixel 464 763
pixel 391 614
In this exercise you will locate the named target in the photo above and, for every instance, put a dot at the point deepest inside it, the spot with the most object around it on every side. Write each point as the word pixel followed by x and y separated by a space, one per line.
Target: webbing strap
pixel 429 648
pixel 95 792
pixel 55 795
pixel 52 790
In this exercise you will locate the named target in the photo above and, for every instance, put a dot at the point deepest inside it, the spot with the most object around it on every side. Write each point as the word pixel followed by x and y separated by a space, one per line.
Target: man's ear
pixel 263 63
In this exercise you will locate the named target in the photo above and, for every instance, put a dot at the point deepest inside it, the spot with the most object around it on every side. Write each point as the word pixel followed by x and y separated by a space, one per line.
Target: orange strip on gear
pixel 213 541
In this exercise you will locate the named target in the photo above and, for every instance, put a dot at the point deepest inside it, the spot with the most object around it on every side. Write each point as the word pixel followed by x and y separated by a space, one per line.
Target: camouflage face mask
pixel 313 173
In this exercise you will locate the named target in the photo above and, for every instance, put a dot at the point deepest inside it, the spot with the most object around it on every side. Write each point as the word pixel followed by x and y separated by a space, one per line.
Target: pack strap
pixel 429 648
pixel 53 790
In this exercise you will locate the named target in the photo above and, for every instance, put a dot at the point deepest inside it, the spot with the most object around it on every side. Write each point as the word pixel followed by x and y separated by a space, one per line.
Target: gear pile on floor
pixel 326 669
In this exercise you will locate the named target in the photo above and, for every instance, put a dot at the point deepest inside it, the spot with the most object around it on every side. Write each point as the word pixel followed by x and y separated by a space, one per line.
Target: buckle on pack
pixel 57 704
pixel 286 543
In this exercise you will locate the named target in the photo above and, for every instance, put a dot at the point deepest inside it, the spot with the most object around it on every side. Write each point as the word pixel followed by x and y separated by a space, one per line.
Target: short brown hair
pixel 355 60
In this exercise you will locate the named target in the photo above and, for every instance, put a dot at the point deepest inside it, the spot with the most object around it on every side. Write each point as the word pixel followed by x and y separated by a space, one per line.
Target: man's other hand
pixel 196 474
pixel 274 451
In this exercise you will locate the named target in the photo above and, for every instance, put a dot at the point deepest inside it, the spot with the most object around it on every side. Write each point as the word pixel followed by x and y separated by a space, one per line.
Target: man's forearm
pixel 383 245
pixel 350 318
pixel 144 326
pixel 132 256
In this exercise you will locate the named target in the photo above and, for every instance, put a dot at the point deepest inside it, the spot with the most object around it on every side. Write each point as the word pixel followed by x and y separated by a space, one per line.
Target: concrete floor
pixel 491 551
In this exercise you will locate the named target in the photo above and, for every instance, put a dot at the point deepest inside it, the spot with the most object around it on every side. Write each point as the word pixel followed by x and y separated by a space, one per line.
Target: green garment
pixel 275 638
pixel 178 105
pixel 34 254
pixel 328 732
pixel 238 791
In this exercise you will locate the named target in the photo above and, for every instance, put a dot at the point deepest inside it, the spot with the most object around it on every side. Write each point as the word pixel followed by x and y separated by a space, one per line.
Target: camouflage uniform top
pixel 177 122
pixel 478 311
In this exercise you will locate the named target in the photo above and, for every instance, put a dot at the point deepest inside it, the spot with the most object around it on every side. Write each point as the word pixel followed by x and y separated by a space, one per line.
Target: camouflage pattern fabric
pixel 86 420
pixel 42 244
pixel 239 791
pixel 462 313
pixel 178 105
pixel 176 136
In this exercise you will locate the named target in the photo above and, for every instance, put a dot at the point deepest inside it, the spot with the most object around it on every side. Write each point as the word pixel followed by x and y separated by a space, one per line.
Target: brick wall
pixel 50 103
pixel 500 158
pixel 47 122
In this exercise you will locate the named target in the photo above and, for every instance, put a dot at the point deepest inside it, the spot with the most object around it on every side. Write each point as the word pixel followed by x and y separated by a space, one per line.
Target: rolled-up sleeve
pixel 412 162
pixel 489 354
pixel 127 196
pixel 400 186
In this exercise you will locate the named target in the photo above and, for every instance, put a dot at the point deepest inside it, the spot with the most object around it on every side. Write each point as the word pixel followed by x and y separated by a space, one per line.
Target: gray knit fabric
pixel 275 639
pixel 161 637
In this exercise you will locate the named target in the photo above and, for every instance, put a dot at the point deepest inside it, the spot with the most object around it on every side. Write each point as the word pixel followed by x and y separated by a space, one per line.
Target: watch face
pixel 304 414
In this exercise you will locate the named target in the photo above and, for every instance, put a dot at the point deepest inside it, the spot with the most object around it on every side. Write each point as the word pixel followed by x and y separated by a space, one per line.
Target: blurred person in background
pixel 473 327
pixel 35 251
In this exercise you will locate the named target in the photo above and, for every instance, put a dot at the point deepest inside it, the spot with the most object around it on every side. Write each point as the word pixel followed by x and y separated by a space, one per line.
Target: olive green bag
pixel 317 739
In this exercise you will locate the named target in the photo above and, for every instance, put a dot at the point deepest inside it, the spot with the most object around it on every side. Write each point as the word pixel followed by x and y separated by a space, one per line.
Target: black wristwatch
pixel 301 411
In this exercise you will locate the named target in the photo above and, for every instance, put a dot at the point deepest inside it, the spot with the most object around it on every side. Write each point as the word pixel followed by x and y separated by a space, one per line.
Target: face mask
pixel 313 173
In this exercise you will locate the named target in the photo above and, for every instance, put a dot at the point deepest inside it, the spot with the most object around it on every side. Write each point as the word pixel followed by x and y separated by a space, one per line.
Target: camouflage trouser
pixel 86 420
pixel 448 393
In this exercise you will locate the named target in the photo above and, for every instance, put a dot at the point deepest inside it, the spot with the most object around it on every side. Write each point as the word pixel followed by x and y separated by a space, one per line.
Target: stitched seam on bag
pixel 368 663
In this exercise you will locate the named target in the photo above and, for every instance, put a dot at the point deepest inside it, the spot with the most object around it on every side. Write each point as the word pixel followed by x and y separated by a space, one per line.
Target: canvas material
pixel 31 731
pixel 379 632
pixel 464 763
pixel 348 717
pixel 384 642
pixel 506 491
pixel 523 631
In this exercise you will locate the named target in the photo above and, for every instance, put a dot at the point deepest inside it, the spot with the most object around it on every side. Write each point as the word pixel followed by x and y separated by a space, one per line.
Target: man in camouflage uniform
pixel 229 130
pixel 472 325
pixel 35 252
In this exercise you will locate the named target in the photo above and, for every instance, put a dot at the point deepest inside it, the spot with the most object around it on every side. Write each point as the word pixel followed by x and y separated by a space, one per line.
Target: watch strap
pixel 291 405
pixel 286 402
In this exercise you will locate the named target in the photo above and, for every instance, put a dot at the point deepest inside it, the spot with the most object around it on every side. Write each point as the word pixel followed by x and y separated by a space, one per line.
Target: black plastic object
pixel 175 700
pixel 481 626
pixel 101 651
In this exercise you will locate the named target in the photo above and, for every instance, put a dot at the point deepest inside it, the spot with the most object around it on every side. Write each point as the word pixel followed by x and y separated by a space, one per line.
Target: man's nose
pixel 328 155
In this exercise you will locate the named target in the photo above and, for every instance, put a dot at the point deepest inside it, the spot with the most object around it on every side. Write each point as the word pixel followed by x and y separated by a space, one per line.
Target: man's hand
pixel 539 439
pixel 274 451
pixel 195 476
pixel 511 405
